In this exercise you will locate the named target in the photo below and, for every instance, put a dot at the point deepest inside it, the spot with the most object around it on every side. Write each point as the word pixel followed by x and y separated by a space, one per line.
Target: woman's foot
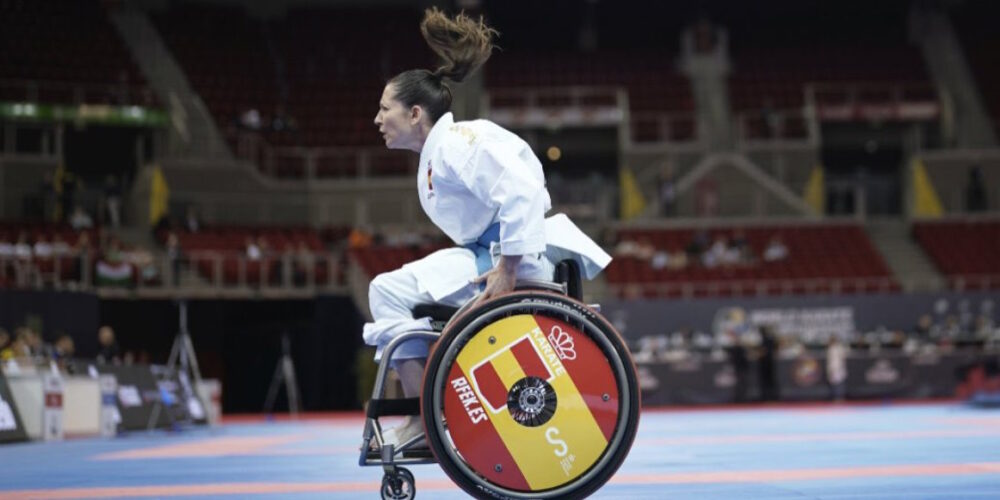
pixel 399 435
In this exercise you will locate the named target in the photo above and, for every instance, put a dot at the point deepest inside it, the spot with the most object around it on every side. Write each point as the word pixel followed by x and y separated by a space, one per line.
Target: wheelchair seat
pixel 567 273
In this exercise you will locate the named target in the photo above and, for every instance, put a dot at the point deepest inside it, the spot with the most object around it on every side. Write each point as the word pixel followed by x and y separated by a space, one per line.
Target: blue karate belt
pixel 481 247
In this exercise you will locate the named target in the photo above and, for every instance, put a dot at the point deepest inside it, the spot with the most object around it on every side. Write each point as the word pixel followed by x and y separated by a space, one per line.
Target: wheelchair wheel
pixel 530 395
pixel 398 486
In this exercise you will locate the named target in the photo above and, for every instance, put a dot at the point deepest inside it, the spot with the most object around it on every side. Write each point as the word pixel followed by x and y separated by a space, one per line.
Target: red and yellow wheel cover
pixel 521 457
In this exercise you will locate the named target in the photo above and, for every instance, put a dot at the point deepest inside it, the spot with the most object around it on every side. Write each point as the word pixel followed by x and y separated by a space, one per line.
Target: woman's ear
pixel 416 113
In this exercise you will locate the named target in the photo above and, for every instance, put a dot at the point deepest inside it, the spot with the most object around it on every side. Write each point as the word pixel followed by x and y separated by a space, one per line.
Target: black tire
pixel 401 486
pixel 466 326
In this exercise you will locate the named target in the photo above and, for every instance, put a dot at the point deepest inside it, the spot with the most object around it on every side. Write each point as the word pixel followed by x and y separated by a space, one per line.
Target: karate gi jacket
pixel 475 173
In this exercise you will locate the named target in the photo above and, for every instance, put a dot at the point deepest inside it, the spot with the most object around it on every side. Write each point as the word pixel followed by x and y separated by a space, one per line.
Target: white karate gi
pixel 474 174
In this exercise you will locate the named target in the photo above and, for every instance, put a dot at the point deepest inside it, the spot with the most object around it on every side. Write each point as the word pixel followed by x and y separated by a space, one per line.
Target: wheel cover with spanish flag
pixel 531 403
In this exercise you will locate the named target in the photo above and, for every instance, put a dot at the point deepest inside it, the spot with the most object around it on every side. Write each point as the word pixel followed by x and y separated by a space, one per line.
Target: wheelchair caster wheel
pixel 398 486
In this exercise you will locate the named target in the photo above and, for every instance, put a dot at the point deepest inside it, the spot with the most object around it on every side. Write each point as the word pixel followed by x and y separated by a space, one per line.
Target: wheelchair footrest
pixel 393 407
pixel 411 453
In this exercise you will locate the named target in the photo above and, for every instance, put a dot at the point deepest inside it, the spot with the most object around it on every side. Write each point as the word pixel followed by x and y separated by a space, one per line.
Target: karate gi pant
pixel 393 295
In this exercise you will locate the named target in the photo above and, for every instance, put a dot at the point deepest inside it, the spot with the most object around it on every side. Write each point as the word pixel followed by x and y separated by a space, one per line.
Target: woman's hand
pixel 499 280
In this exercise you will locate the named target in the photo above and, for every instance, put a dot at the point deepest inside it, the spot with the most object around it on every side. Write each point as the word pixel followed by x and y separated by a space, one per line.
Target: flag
pixel 815 192
pixel 926 202
pixel 631 200
pixel 159 196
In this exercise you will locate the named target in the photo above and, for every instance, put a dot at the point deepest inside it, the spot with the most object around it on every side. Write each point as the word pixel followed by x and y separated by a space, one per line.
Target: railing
pixel 766 287
pixel 35 91
pixel 321 162
pixel 873 101
pixel 964 282
pixel 216 273
pixel 772 126
pixel 749 288
pixel 651 126
pixel 556 107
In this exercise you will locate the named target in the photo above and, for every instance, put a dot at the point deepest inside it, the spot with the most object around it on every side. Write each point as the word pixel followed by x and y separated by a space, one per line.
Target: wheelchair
pixel 532 394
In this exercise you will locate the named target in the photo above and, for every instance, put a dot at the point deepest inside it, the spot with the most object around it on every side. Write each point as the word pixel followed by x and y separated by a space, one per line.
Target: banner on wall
pixel 11 426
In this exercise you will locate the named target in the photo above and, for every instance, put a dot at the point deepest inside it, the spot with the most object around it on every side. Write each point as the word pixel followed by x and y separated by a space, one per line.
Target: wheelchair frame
pixel 399 483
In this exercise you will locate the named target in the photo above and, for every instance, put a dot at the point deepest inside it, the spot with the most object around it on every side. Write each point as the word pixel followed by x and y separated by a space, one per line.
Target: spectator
pixel 305 263
pixel 4 341
pixel 113 200
pixel 668 191
pixel 836 368
pixel 251 119
pixel 22 249
pixel 80 219
pixel 67 185
pixel 59 246
pixel 112 269
pixel 641 249
pixel 359 238
pixel 63 349
pixel 776 250
pixel 49 197
pixel 924 326
pixel 107 352
pixel 975 191
pixel 142 261
pixel 678 260
pixel 697 245
pixel 6 249
pixel 174 256
pixel 770 118
pixel 737 355
pixel 43 249
pixel 716 255
pixel 16 348
pixel 22 260
pixel 660 259
pixel 253 250
pixel 282 121
pixel 192 222
pixel 82 250
pixel 766 365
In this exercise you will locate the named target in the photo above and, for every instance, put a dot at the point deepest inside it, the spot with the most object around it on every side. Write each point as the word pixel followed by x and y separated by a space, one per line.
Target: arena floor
pixel 857 451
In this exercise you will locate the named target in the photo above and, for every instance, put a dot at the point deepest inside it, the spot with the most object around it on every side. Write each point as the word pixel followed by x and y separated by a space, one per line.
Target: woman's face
pixel 396 122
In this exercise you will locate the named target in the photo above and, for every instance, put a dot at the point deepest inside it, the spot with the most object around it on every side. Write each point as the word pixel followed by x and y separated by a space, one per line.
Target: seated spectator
pixel 82 251
pixel 251 119
pixel 174 256
pixel 59 246
pixel 776 250
pixel 716 255
pixel 4 340
pixel 6 249
pixel 359 238
pixel 43 249
pixel 641 249
pixel 282 121
pixel 22 249
pixel 305 263
pixel 112 270
pixel 63 349
pixel 80 219
pixel 660 260
pixel 192 222
pixel 924 326
pixel 253 250
pixel 678 260
pixel 16 348
pixel 697 245
pixel 107 352
pixel 141 260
